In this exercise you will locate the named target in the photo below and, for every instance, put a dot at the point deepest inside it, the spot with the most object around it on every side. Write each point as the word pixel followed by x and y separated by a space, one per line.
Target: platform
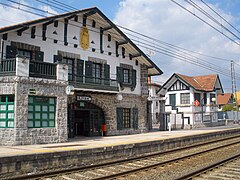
pixel 87 150
pixel 80 143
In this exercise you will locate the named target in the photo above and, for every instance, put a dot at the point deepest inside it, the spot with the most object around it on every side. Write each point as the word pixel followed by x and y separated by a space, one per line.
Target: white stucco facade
pixel 195 106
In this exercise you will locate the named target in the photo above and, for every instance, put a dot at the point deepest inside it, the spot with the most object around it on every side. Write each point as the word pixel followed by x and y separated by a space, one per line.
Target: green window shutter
pixel 119 118
pixel 80 64
pixel 88 71
pixel 107 74
pixel 39 56
pixel 134 79
pixel 11 52
pixel 57 58
pixel 120 75
pixel 135 118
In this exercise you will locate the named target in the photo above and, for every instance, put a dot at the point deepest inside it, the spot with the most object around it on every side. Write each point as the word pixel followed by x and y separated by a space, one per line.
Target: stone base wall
pixel 7 136
pixel 109 103
pixel 21 134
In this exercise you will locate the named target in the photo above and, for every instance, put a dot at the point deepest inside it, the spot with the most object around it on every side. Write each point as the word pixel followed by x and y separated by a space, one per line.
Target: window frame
pixel 126 118
pixel 25 51
pixel 70 71
pixel 126 76
pixel 185 98
pixel 97 71
pixel 40 112
pixel 7 111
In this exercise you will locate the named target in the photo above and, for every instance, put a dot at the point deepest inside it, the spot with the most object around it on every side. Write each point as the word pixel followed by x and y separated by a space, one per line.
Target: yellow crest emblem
pixel 84 38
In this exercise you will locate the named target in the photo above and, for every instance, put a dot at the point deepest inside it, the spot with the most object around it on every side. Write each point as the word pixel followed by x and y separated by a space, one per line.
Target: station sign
pixel 84 98
pixel 32 91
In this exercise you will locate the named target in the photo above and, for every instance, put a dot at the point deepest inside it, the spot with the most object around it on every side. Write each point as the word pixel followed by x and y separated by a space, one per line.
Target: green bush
pixel 227 107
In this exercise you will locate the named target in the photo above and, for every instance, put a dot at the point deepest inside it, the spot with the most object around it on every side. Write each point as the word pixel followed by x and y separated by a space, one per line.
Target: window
pixel 25 53
pixel 185 98
pixel 126 117
pixel 126 75
pixel 97 72
pixel 7 111
pixel 41 111
pixel 156 104
pixel 70 63
pixel 172 99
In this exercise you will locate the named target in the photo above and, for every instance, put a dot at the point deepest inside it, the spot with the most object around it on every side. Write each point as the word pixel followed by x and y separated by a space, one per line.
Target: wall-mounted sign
pixel 84 38
pixel 32 91
pixel 84 98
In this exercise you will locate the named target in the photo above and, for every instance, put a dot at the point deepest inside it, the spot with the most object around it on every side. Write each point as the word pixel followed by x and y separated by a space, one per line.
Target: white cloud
pixel 10 16
pixel 166 21
pixel 49 10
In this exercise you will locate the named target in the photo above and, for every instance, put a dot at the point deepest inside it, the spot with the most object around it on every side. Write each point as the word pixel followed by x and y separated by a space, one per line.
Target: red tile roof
pixel 202 83
pixel 223 99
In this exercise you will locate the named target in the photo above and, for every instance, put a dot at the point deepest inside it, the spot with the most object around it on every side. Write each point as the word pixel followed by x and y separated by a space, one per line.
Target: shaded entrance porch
pixel 84 119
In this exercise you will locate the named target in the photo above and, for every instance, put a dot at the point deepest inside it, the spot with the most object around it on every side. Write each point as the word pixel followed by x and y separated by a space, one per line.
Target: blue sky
pixel 108 7
pixel 165 21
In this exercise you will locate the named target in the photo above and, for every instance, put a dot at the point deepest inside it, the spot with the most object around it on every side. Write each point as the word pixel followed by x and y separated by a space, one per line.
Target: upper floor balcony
pixel 21 66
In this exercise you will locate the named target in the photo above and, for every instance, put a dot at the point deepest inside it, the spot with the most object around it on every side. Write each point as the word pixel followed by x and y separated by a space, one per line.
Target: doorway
pixel 85 119
pixel 80 122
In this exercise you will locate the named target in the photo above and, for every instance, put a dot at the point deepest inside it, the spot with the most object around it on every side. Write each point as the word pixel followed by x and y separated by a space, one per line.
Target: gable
pixel 68 27
pixel 178 86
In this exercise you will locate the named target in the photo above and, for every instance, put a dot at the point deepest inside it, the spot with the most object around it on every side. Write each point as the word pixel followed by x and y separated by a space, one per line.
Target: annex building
pixel 74 74
pixel 191 101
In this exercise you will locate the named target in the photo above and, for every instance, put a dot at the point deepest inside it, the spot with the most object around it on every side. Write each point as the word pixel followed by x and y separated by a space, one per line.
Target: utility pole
pixel 234 89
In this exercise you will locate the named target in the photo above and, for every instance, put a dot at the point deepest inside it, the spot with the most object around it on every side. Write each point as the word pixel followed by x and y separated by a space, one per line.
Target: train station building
pixel 74 74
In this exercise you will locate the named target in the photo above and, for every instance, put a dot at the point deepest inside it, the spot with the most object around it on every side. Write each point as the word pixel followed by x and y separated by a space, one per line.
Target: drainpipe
pixel 2 45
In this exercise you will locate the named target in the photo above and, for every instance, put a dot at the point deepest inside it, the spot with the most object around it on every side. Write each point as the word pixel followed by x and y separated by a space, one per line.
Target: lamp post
pixel 201 103
pixel 214 101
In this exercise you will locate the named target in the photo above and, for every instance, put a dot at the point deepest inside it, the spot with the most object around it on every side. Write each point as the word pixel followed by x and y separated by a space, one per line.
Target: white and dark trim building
pixel 192 100
pixel 157 105
pixel 69 74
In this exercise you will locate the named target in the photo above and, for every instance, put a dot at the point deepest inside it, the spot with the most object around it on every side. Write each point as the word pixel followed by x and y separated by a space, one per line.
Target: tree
pixel 227 107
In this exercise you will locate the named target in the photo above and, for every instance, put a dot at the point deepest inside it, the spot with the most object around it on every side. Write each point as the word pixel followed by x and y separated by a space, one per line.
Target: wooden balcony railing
pixel 8 67
pixel 85 82
pixel 42 70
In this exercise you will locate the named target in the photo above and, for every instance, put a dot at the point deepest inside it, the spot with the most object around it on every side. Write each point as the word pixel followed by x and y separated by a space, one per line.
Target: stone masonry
pixel 21 134
pixel 108 103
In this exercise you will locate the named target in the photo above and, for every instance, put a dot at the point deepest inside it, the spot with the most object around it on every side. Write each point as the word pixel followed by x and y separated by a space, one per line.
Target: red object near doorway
pixel 104 129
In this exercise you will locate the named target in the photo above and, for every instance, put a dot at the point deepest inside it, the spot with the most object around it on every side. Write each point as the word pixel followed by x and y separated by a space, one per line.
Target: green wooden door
pixel 172 100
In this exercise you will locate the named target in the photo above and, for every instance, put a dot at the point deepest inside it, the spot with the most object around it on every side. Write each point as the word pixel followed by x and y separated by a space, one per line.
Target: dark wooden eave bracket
pixel 19 32
pixel 44 29
pixel 135 55
pixel 86 15
pixel 106 28
pixel 48 23
pixel 122 43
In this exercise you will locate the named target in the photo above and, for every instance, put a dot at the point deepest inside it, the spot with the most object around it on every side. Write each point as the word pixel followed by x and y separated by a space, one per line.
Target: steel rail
pixel 51 173
pixel 162 163
pixel 207 168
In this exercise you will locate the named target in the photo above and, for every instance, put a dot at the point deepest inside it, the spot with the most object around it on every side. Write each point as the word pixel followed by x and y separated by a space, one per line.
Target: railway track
pixel 226 169
pixel 165 165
